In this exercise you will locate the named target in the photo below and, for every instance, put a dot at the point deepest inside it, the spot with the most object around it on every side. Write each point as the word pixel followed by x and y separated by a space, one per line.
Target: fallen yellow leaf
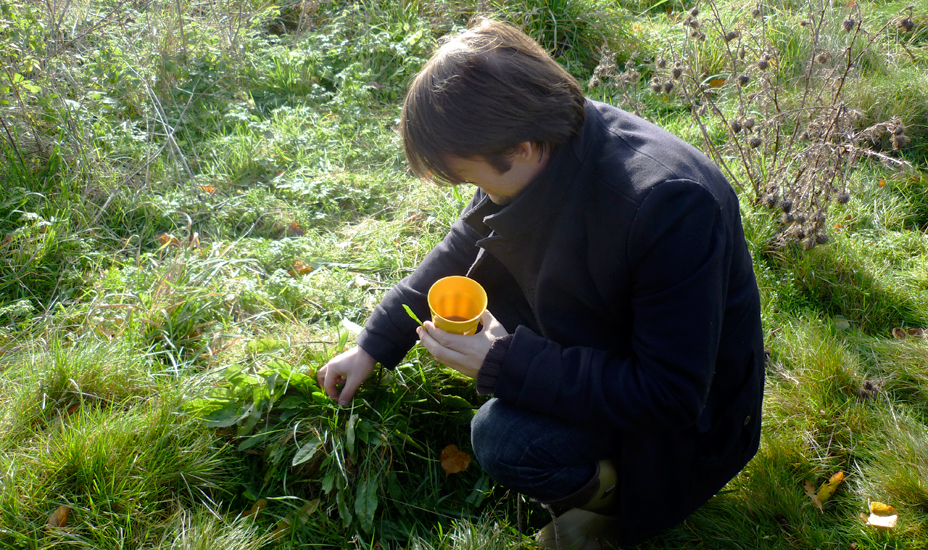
pixel 454 460
pixel 827 489
pixel 881 509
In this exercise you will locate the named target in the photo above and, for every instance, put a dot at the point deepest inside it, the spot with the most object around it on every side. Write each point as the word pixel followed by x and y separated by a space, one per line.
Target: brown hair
pixel 483 93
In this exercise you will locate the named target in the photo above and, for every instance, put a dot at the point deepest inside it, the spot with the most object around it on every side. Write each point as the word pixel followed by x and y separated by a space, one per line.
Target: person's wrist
pixel 493 365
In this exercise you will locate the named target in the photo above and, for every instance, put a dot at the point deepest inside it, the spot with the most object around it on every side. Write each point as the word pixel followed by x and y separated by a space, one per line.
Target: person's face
pixel 482 174
pixel 527 162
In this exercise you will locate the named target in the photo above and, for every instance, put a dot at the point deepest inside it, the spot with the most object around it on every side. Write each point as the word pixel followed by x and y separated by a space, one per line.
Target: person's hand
pixel 341 376
pixel 464 354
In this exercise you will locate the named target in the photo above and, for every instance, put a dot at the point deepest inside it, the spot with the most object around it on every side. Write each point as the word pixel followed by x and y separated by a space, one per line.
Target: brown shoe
pixel 578 529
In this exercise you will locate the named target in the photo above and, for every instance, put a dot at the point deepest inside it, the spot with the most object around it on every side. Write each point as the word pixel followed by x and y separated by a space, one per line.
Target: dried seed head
pixel 668 86
pixel 770 200
pixel 694 12
pixel 661 62
pixel 801 218
pixel 594 81
pixel 763 64
pixel 821 238
pixel 819 217
pixel 823 57
pixel 805 23
pixel 900 141
pixel 677 71
pixel 731 35
pixel 656 87
pixel 754 142
pixel 808 244
pixel 786 205
pixel 843 197
pixel 749 123
pixel 741 52
pixel 848 24
pixel 804 136
pixel 755 13
pixel 785 218
pixel 743 80
pixel 906 24
pixel 694 23
pixel 898 129
pixel 735 125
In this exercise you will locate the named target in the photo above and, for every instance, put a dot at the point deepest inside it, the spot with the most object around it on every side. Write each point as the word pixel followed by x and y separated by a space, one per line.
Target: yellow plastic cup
pixel 457 303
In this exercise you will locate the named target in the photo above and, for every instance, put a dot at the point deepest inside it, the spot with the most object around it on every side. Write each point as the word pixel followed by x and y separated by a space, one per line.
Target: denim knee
pixel 527 452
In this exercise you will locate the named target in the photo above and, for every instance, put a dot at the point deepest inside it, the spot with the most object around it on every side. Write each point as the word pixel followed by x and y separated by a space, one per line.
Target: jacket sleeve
pixel 678 250
pixel 390 332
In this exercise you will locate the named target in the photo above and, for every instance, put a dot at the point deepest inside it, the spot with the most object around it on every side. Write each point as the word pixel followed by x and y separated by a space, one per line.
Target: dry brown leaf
pixel 283 526
pixel 882 522
pixel 208 188
pixel 454 460
pixel 300 268
pixel 294 230
pixel 903 333
pixel 166 239
pixel 59 518
pixel 252 513
pixel 811 493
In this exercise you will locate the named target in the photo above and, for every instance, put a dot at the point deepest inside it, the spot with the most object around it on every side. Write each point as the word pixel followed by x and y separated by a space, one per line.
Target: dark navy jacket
pixel 624 274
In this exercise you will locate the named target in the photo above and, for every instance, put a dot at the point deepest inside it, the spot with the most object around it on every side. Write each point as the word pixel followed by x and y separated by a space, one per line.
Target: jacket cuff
pixel 492 365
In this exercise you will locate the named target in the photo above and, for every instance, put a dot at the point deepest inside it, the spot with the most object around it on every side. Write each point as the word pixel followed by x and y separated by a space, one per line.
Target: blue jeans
pixel 536 455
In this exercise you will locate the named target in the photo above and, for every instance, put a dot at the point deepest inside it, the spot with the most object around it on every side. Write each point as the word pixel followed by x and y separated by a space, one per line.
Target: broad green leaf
pixel 292 402
pixel 328 481
pixel 250 442
pixel 226 416
pixel 307 451
pixel 365 503
pixel 263 345
pixel 481 491
pixel 349 433
pixel 456 402
pixel 343 509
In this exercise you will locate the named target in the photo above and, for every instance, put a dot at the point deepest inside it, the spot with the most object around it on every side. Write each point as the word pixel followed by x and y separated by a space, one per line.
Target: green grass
pixel 196 212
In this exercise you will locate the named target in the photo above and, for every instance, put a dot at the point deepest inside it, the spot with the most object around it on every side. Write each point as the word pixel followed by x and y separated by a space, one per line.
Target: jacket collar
pixel 542 199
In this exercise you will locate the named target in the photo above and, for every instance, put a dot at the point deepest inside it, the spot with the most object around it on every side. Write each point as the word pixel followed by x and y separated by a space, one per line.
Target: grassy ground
pixel 198 211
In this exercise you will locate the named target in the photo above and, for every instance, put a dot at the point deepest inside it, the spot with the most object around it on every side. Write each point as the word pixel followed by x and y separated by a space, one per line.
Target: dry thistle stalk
pixel 792 151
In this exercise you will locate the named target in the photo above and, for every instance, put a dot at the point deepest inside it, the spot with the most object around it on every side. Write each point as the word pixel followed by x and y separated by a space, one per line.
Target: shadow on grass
pixel 834 281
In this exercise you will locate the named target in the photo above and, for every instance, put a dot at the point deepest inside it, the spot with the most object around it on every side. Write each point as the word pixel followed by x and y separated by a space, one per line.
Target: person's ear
pixel 525 150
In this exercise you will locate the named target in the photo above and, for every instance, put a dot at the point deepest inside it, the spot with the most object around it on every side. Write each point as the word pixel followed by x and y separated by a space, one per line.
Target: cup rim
pixel 467 280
